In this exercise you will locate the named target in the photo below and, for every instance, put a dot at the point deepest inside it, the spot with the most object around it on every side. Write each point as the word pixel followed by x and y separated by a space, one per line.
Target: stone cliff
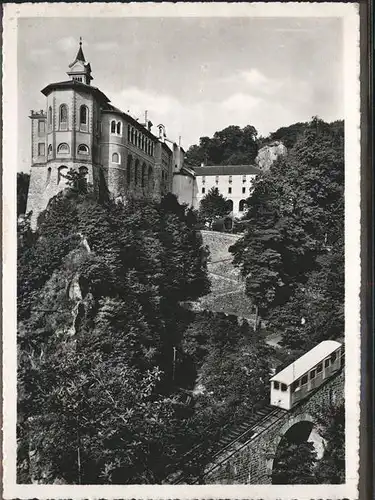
pixel 270 153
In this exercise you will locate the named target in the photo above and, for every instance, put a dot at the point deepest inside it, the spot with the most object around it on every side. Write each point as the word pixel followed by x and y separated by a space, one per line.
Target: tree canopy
pixel 331 468
pixel 294 463
pixel 99 288
pixel 292 251
pixel 231 146
pixel 213 205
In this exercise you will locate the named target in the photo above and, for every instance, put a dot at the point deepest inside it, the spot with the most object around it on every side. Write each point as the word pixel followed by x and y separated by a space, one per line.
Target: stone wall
pixel 252 464
pixel 219 244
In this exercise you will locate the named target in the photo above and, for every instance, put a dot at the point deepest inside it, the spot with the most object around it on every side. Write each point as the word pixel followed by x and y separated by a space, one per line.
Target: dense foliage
pixel 292 251
pixel 288 135
pixel 294 463
pixel 23 181
pixel 212 206
pixel 99 289
pixel 107 356
pixel 331 468
pixel 231 146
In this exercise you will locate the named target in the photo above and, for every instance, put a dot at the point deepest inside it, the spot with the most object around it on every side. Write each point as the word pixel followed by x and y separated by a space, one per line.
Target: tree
pixel 294 463
pixel 99 291
pixel 289 135
pixel 230 146
pixel 295 219
pixel 23 181
pixel 213 205
pixel 331 467
pixel 76 181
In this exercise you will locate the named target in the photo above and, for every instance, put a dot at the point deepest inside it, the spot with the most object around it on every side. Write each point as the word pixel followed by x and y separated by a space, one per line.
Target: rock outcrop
pixel 269 153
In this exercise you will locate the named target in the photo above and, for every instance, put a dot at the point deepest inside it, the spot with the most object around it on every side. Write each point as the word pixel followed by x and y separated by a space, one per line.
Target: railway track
pixel 230 436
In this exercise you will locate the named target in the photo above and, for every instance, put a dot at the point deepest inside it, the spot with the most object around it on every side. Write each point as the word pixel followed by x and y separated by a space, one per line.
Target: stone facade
pixel 81 130
pixel 252 462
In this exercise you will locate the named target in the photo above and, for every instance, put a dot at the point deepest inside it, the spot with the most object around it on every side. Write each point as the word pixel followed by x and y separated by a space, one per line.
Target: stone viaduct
pixel 250 461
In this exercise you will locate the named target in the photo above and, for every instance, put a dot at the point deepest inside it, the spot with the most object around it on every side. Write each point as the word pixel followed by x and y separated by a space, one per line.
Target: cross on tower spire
pixel 80 70
pixel 80 56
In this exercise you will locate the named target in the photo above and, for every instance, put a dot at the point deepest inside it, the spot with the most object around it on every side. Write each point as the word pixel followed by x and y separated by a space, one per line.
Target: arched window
pixel 132 136
pixel 139 140
pixel 83 149
pixel 229 204
pixel 128 132
pixel 143 142
pixel 242 205
pixel 136 172
pixel 143 178
pixel 128 169
pixel 50 117
pixel 48 175
pixel 61 174
pixel 63 148
pixel 63 117
pixel 83 173
pixel 113 127
pixel 49 149
pixel 115 158
pixel 118 128
pixel 83 116
pixel 135 137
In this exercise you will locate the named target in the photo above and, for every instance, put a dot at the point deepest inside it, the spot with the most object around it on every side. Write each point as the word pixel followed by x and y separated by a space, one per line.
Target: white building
pixel 234 182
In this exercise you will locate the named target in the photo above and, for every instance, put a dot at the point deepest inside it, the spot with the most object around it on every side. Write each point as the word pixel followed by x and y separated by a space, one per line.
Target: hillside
pixel 227 287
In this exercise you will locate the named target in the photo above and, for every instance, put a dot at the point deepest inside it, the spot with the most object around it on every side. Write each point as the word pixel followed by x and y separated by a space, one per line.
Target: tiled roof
pixel 226 170
pixel 74 83
pixel 303 364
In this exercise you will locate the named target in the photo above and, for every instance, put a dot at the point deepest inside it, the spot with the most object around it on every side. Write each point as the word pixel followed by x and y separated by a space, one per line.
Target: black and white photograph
pixel 181 238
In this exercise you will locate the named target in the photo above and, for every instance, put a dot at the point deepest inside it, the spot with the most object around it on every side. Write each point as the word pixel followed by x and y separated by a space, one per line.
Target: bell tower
pixel 79 69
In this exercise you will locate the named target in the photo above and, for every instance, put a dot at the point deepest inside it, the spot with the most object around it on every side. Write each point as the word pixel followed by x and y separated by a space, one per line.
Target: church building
pixel 80 129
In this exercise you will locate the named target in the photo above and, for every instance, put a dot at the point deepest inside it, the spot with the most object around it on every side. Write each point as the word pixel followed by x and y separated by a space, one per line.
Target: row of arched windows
pixel 135 137
pixel 64 149
pixel 143 171
pixel 63 117
pixel 140 140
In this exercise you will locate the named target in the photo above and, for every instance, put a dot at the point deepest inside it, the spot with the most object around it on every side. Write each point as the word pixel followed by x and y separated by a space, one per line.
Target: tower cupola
pixel 79 69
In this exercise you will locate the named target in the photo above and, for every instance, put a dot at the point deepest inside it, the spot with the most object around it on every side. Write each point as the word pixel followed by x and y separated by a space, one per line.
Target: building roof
pixel 80 56
pixel 226 170
pixel 303 364
pixel 69 84
pixel 185 171
pixel 109 108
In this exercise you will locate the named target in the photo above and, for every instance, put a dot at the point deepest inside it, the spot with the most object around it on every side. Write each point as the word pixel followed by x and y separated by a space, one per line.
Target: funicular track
pixel 234 438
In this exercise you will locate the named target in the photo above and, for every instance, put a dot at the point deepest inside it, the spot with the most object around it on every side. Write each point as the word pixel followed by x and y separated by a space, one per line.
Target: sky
pixel 194 75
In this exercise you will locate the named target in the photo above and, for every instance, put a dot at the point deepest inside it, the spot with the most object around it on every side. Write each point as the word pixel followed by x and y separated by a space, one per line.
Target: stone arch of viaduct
pixel 252 462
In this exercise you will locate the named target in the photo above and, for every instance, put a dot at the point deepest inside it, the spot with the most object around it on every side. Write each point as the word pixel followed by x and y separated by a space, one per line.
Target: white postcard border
pixel 350 16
